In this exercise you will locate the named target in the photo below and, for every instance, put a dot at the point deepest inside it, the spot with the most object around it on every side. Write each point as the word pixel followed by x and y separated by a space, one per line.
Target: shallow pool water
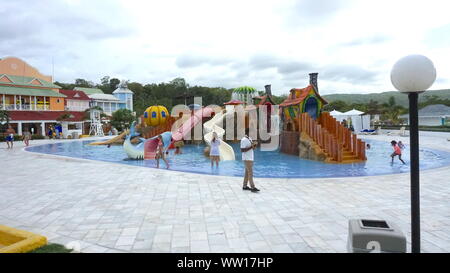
pixel 267 164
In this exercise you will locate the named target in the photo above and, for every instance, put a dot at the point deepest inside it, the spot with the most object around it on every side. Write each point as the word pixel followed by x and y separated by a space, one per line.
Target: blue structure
pixel 125 96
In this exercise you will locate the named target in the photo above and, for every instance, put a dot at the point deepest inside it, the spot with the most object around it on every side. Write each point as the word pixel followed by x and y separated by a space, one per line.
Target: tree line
pixel 169 94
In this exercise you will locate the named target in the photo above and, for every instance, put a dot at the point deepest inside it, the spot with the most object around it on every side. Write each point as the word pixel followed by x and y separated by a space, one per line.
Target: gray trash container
pixel 74 135
pixel 366 236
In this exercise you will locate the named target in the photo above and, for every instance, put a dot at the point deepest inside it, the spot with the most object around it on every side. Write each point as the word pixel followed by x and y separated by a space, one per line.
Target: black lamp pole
pixel 415 182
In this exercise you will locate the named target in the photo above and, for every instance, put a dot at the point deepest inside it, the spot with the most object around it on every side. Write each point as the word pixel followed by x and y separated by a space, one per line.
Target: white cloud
pixel 352 44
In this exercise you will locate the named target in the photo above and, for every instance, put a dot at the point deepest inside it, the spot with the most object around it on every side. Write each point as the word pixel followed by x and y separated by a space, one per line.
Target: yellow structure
pixel 156 115
pixel 19 241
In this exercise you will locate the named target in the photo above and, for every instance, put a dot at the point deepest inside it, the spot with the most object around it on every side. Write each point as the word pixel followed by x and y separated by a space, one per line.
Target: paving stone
pixel 109 207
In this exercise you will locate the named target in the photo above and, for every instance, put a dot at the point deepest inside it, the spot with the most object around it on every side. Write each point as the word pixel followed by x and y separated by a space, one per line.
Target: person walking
pixel 26 137
pixel 397 151
pixel 247 147
pixel 214 153
pixel 10 132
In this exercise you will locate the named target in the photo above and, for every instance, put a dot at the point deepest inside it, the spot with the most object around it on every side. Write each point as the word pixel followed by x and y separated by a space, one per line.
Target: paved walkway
pixel 106 207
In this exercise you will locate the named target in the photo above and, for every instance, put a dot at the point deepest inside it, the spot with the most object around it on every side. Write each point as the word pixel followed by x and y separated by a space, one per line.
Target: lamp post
pixel 414 74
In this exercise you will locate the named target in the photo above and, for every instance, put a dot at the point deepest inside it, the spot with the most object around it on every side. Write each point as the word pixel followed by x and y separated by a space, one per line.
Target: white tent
pixel 358 121
pixel 353 112
pixel 335 113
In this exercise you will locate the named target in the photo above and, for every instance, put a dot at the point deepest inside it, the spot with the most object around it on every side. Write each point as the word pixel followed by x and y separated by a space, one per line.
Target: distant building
pixel 432 115
pixel 122 98
pixel 75 100
pixel 124 94
pixel 33 102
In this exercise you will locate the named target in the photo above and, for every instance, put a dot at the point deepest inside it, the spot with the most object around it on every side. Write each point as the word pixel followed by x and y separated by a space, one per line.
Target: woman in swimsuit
pixel 160 152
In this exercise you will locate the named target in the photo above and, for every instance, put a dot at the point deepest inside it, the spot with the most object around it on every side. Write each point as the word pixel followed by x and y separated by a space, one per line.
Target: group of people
pixel 10 132
pixel 247 147
pixel 54 132
pixel 398 147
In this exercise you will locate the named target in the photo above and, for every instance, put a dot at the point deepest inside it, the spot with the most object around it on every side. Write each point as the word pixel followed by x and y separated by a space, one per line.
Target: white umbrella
pixel 335 113
pixel 353 112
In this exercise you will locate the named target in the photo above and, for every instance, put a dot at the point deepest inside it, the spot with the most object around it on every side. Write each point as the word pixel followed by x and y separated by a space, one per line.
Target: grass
pixel 52 248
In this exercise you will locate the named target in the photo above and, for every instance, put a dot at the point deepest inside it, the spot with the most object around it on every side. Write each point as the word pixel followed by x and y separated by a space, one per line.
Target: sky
pixel 352 44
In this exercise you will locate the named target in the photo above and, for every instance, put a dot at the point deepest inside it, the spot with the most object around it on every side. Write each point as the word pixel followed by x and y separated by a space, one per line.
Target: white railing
pixel 26 107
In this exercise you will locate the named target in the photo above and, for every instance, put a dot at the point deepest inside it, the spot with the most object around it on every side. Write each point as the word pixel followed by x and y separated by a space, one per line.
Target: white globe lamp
pixel 414 74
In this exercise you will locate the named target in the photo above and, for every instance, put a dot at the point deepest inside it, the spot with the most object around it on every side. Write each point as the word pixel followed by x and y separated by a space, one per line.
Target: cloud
pixel 349 73
pixel 192 60
pixel 283 65
pixel 368 40
pixel 227 43
pixel 302 13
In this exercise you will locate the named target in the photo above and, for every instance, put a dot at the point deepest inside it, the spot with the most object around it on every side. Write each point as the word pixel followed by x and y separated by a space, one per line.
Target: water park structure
pixel 306 130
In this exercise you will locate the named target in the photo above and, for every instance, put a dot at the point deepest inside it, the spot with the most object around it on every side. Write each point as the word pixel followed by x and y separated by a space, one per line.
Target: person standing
pixel 214 153
pixel 50 132
pixel 10 136
pixel 160 152
pixel 247 147
pixel 26 137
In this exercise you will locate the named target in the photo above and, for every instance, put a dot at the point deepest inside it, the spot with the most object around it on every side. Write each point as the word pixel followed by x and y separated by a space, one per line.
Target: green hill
pixel 400 99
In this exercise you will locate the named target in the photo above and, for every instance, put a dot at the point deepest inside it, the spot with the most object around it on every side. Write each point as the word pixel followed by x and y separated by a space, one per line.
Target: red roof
pixel 44 115
pixel 292 100
pixel 234 102
pixel 74 94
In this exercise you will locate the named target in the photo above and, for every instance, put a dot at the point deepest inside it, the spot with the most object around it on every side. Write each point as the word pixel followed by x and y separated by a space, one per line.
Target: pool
pixel 267 164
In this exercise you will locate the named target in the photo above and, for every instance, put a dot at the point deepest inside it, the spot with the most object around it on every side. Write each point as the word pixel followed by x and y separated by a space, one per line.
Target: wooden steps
pixel 337 142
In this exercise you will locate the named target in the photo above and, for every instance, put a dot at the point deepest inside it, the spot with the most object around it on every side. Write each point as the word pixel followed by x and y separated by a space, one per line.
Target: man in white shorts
pixel 247 147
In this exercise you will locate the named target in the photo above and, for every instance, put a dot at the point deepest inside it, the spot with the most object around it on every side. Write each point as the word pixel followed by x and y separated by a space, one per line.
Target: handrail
pixel 161 128
pixel 332 137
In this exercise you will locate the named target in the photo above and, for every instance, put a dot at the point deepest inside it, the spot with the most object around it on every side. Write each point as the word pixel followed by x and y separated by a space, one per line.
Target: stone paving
pixel 107 207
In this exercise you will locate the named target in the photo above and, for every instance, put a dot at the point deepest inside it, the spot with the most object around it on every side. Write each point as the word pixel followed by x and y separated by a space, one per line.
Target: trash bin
pixel 74 135
pixel 366 236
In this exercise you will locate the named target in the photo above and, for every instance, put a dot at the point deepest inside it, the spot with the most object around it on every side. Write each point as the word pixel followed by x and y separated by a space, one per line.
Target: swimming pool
pixel 267 164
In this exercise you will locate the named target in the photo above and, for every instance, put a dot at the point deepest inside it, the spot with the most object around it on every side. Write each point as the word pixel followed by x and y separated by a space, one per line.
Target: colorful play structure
pixel 313 134
pixel 305 131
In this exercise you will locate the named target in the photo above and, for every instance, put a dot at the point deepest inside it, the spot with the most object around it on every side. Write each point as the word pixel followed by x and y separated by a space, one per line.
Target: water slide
pixel 190 123
pixel 115 140
pixel 147 148
pixel 211 126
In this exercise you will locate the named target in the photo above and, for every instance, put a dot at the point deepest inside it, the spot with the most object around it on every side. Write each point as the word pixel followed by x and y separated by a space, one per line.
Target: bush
pixel 19 137
pixel 33 137
pixel 16 137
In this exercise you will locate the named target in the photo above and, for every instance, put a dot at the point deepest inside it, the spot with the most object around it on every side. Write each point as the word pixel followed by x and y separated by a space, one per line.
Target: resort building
pixel 121 98
pixel 432 115
pixel 75 100
pixel 33 102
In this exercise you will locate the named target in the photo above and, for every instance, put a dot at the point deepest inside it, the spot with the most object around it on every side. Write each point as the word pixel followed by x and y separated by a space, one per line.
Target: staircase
pixel 149 132
pixel 337 142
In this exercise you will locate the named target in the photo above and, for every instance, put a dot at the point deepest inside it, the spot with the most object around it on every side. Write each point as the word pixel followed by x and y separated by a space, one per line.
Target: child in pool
pixel 214 153
pixel 401 145
pixel 160 152
pixel 397 151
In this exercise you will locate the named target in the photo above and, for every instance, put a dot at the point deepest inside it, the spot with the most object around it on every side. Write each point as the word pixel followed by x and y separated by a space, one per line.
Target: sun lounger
pixel 369 132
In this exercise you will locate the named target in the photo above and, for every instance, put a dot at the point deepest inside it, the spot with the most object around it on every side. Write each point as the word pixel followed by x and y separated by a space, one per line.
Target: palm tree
pixel 4 118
